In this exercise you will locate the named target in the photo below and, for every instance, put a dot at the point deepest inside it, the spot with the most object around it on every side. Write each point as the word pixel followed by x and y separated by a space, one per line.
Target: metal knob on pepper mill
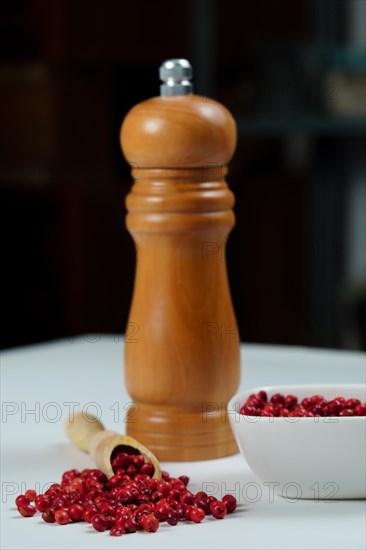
pixel 182 348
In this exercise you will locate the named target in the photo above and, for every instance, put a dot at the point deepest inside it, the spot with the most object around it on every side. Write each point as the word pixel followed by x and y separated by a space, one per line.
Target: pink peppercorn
pixel 127 502
pixel 218 509
pixel 27 510
pixel 62 517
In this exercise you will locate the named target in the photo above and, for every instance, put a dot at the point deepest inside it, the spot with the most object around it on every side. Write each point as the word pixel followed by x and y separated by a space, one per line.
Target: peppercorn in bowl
pixel 304 441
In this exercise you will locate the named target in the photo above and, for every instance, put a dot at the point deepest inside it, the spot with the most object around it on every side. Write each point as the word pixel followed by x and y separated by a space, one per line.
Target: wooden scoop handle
pixel 88 434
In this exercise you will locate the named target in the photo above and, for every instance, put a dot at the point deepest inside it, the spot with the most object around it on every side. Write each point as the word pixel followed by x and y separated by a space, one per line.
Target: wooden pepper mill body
pixel 182 345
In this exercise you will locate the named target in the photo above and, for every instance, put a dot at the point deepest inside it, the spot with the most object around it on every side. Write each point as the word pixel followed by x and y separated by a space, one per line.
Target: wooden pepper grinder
pixel 182 345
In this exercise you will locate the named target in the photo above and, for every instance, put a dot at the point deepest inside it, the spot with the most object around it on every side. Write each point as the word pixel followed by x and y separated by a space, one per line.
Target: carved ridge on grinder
pixel 203 175
pixel 181 197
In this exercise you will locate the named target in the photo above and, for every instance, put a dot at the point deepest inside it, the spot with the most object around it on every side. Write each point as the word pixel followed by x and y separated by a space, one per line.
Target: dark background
pixel 293 75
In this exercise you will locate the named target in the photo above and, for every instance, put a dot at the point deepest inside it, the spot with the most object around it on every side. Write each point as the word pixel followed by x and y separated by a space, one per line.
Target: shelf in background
pixel 302 123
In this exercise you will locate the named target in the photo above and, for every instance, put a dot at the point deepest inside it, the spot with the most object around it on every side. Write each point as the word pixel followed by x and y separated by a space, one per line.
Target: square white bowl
pixel 313 458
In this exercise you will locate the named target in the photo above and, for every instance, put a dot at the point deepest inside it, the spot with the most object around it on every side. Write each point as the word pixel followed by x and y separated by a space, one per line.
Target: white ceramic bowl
pixel 315 458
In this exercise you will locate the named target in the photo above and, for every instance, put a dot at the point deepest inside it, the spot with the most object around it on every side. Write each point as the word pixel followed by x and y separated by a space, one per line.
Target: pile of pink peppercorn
pixel 131 500
pixel 258 404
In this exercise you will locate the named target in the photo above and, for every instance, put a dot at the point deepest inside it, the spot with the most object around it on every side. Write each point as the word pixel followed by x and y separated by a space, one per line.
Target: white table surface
pixel 35 451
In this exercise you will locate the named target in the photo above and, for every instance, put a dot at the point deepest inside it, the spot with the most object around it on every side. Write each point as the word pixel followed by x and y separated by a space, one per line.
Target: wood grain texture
pixel 182 343
pixel 178 132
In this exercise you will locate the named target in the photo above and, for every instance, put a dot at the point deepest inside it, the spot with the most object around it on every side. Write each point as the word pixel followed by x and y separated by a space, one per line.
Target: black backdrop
pixel 70 72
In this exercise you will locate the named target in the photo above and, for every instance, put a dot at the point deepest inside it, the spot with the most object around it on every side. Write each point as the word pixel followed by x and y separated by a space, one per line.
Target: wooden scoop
pixel 88 434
